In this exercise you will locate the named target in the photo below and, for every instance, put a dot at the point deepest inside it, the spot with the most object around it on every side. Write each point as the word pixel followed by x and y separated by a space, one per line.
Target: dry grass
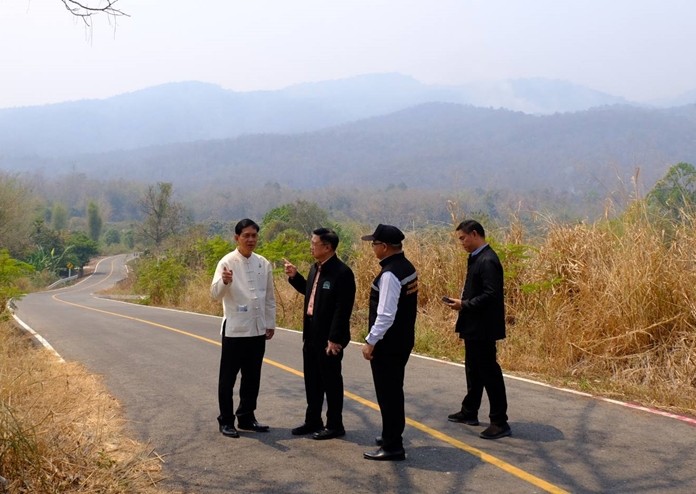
pixel 196 296
pixel 60 431
pixel 611 309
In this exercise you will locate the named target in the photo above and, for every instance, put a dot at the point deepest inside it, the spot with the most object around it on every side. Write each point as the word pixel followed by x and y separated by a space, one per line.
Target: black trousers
pixel 484 372
pixel 388 370
pixel 245 355
pixel 323 377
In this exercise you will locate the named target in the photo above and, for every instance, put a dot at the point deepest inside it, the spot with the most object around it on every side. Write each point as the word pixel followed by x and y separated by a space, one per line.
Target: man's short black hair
pixel 327 236
pixel 468 226
pixel 246 222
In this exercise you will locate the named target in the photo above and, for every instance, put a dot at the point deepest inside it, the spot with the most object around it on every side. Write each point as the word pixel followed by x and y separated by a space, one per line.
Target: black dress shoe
pixel 382 455
pixel 253 426
pixel 496 431
pixel 306 429
pixel 229 431
pixel 379 441
pixel 463 418
pixel 328 434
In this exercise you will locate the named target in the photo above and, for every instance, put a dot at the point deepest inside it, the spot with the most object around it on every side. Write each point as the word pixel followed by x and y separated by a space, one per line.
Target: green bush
pixel 161 279
pixel 289 244
pixel 213 250
pixel 10 271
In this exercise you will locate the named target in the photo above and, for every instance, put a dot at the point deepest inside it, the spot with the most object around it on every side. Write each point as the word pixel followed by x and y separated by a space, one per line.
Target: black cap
pixel 387 234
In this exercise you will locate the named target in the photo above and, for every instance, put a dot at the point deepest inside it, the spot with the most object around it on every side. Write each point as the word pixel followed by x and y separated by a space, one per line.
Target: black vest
pixel 400 336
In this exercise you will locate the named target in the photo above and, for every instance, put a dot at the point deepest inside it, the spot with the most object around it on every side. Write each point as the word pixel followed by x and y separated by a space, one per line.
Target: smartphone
pixel 447 300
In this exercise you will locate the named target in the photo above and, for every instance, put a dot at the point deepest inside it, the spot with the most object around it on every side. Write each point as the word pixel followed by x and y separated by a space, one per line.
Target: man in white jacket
pixel 243 281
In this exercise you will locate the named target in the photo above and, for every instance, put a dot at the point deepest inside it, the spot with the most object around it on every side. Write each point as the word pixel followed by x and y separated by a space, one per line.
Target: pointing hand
pixel 226 275
pixel 290 268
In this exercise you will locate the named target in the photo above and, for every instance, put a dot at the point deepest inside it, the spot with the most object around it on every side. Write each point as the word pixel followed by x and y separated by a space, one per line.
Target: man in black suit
pixel 329 296
pixel 480 323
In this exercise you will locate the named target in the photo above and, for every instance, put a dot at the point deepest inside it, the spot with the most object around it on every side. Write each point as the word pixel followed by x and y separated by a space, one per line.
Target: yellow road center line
pixel 483 456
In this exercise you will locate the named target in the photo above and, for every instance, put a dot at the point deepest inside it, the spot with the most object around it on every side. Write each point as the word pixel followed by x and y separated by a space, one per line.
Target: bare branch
pixel 85 11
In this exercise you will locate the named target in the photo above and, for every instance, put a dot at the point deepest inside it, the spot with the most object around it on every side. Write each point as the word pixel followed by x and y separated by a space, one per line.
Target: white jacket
pixel 248 302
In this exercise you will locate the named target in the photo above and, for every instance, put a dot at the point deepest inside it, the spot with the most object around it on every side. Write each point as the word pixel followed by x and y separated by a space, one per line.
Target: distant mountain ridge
pixel 434 145
pixel 366 133
pixel 192 111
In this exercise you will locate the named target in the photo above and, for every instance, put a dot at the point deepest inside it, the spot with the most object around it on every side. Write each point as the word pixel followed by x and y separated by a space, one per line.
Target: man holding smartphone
pixel 480 323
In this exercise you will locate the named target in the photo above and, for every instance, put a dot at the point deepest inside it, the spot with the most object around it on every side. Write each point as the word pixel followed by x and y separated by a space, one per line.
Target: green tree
pixel 161 278
pixel 17 210
pixel 10 271
pixel 82 249
pixel 289 244
pixel 129 238
pixel 674 195
pixel 112 236
pixel 287 229
pixel 94 221
pixel 213 250
pixel 301 216
pixel 59 217
pixel 163 216
pixel 45 238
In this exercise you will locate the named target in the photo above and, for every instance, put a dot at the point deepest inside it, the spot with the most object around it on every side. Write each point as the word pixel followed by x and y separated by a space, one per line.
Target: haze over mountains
pixel 369 131
pixel 190 111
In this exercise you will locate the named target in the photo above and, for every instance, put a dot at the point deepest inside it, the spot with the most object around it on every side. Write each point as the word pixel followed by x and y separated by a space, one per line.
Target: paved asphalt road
pixel 162 366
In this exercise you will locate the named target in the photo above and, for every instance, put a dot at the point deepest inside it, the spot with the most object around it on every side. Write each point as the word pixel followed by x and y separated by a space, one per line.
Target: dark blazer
pixel 483 304
pixel 333 303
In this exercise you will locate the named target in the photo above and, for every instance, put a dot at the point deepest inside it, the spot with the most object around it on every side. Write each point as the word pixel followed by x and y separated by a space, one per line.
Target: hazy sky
pixel 638 49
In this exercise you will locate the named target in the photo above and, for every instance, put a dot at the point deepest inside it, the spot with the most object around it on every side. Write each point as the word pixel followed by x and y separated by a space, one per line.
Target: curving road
pixel 162 366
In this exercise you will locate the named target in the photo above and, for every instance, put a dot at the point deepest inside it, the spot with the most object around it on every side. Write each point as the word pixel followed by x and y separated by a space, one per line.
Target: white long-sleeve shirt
pixel 389 292
pixel 248 302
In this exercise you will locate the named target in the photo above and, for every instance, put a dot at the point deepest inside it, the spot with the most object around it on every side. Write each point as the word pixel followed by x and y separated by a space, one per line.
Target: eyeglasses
pixel 377 243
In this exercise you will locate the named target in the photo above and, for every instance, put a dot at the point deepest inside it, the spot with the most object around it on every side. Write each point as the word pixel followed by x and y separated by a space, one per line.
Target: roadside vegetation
pixel 607 307
pixel 60 430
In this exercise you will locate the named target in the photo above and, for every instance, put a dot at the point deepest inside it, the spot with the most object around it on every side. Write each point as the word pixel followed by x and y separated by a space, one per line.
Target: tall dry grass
pixel 611 306
pixel 60 431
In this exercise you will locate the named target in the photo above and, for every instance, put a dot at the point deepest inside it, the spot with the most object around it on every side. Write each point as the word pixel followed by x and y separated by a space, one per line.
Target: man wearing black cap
pixel 393 307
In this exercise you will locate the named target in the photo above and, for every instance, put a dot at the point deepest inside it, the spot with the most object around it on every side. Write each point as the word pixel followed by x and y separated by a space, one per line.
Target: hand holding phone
pixel 447 300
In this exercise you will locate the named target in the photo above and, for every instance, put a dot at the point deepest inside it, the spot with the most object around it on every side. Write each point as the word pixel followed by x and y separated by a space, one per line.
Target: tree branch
pixel 85 11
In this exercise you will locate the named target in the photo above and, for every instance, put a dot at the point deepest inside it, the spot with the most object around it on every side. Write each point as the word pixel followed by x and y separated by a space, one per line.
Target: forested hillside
pixel 429 146
pixel 190 111
pixel 492 160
